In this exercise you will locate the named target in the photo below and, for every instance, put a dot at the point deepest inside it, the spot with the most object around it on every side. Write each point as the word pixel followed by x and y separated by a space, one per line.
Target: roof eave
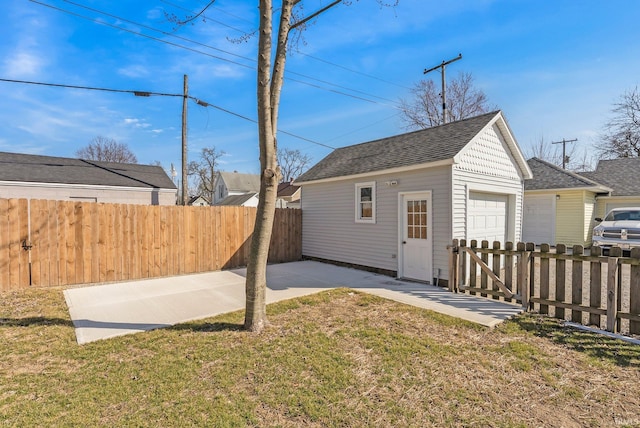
pixel 594 189
pixel 444 162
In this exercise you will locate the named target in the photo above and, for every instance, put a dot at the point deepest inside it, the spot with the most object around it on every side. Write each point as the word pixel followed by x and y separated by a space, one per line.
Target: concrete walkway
pixel 104 311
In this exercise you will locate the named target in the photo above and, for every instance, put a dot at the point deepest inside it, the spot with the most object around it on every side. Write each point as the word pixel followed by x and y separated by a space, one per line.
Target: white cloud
pixel 23 64
pixel 136 123
pixel 134 71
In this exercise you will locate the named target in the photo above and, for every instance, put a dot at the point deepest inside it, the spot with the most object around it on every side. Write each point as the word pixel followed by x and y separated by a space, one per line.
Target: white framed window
pixel 366 202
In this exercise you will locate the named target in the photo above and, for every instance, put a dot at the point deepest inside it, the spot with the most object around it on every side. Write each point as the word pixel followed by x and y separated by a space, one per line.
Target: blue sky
pixel 554 67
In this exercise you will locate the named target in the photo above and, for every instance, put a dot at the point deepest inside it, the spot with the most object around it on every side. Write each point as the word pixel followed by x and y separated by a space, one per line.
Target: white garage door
pixel 538 223
pixel 487 217
pixel 611 205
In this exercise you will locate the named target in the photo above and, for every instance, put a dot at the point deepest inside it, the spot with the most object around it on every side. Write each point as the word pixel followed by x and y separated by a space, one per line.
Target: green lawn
pixel 339 358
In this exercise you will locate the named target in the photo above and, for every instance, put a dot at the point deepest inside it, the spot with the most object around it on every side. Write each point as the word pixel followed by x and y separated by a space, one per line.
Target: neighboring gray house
pixel 234 183
pixel 393 205
pixel 56 178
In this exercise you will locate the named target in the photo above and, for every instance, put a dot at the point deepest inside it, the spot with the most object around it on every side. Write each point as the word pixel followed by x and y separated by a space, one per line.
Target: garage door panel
pixel 487 216
pixel 538 224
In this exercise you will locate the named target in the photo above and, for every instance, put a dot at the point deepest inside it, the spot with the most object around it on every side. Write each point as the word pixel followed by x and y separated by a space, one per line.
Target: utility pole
pixel 444 95
pixel 185 98
pixel 564 151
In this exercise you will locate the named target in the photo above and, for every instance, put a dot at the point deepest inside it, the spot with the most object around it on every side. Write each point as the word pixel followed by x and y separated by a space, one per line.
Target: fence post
pixel 508 268
pixel 612 289
pixel 544 278
pixel 634 292
pixel 453 266
pixel 462 265
pixel 595 288
pixel 523 279
pixel 576 283
pixel 531 280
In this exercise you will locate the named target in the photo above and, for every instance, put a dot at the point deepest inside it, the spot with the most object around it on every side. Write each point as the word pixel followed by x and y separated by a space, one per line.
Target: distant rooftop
pixel 18 167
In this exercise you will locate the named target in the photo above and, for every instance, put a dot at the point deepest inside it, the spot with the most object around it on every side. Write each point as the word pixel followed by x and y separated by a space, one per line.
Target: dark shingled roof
pixel 414 148
pixel 622 175
pixel 549 176
pixel 287 189
pixel 48 169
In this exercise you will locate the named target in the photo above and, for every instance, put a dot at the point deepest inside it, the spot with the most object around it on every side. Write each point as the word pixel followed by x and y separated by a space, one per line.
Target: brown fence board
pixel 4 244
pixel 540 288
pixel 83 242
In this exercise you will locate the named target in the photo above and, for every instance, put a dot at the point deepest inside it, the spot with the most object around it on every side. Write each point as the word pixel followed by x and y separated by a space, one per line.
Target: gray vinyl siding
pixel 331 232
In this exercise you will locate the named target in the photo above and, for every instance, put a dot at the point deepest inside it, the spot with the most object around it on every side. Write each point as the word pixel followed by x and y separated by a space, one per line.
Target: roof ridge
pixel 431 128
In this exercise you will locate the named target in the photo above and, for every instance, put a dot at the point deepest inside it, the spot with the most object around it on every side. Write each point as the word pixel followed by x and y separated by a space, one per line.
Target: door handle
pixel 404 242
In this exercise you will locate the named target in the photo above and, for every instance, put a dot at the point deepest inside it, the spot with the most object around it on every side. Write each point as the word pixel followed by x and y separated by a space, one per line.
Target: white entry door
pixel 416 241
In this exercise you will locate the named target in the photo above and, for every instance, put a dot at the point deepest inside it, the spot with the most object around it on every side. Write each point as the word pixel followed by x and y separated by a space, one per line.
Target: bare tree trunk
pixel 269 90
pixel 268 99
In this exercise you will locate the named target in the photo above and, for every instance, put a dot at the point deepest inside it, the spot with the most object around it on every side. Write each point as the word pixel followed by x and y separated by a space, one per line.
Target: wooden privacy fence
pixel 52 243
pixel 590 289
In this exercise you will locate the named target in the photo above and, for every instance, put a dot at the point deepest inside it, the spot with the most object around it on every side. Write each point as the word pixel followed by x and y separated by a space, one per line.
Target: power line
pixel 95 21
pixel 93 88
pixel 208 18
pixel 163 94
pixel 351 70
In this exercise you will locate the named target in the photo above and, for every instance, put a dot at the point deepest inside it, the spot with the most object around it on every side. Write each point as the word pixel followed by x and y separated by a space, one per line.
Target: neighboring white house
pixel 244 200
pixel 198 201
pixel 288 195
pixel 393 205
pixel 56 178
pixel 234 183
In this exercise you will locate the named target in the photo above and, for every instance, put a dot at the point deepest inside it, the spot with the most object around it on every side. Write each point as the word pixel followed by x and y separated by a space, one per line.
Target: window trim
pixel 358 202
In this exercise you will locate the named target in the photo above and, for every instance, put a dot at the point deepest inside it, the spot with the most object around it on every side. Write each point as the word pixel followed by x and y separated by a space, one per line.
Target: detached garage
pixel 393 205
pixel 559 205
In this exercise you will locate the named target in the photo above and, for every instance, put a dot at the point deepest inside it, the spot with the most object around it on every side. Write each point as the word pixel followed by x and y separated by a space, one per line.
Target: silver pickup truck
pixel 621 228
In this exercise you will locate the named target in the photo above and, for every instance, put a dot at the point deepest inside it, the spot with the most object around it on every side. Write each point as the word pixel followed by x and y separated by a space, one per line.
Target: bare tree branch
pixel 203 172
pixel 292 163
pixel 621 136
pixel 107 150
pixel 423 108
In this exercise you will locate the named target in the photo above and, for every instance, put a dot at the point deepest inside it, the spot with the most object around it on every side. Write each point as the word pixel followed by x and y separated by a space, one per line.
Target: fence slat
pixel 595 289
pixel 612 294
pixel 576 284
pixel 544 278
pixel 561 272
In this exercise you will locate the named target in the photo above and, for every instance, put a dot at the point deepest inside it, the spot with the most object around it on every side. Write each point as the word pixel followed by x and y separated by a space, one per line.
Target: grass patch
pixel 339 358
